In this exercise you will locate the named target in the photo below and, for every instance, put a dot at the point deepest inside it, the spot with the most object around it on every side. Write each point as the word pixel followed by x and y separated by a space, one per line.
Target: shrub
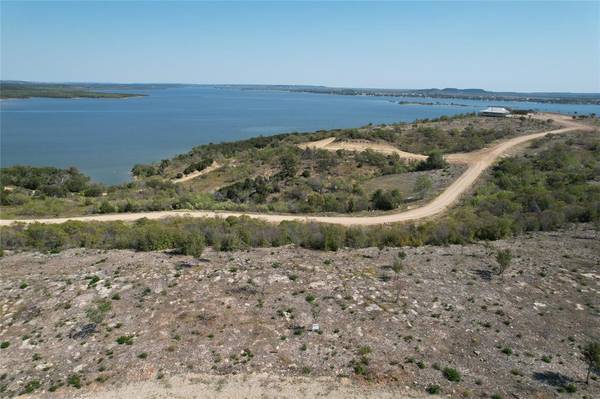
pixel 125 340
pixel 546 359
pixel 47 180
pixel 4 344
pixel 503 257
pixel 364 350
pixel 30 387
pixel 451 374
pixel 74 380
pixel 192 244
pixel 360 366
pixel 435 160
pixel 433 389
pixel 106 207
pixel 96 313
pixel 570 388
pixel 386 200
pixel 142 170
pixel 591 354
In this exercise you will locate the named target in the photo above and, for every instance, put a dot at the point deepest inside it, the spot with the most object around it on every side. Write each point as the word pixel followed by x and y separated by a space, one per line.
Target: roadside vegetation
pixel 557 184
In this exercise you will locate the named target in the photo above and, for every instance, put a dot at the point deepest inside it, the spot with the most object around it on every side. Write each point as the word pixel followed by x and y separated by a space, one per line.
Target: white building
pixel 495 111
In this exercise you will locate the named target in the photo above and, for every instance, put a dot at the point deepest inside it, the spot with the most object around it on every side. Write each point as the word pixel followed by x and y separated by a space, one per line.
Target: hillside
pixel 376 322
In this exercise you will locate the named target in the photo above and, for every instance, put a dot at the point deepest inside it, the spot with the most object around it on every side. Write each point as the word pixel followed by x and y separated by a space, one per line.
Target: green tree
pixel 503 257
pixel 386 200
pixel 591 354
pixel 423 185
pixel 106 207
pixel 289 164
pixel 435 160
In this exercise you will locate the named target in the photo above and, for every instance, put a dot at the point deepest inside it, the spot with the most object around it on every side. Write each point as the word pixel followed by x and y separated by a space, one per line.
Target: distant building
pixel 495 111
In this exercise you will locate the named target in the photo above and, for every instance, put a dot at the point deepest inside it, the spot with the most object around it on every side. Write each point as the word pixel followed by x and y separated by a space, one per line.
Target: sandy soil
pixel 252 386
pixel 478 162
pixel 214 166
pixel 330 144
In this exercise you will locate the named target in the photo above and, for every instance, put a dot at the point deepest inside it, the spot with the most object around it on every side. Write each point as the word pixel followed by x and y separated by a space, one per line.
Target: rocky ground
pixel 124 324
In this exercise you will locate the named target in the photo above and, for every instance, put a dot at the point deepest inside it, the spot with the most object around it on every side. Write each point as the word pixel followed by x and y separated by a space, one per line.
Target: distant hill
pixel 23 89
pixel 468 94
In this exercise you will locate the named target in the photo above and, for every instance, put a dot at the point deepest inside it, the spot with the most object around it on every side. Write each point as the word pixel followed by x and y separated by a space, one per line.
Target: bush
pixel 386 200
pixel 433 389
pixel 451 374
pixel 74 380
pixel 507 351
pixel 192 244
pixel 97 312
pixel 125 340
pixel 94 190
pixel 30 387
pixel 141 170
pixel 106 207
pixel 570 388
pixel 435 160
pixel 198 166
pixel 48 180
pixel 503 257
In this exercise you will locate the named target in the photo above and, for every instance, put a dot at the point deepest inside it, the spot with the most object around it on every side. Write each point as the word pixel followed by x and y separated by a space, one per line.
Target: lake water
pixel 104 138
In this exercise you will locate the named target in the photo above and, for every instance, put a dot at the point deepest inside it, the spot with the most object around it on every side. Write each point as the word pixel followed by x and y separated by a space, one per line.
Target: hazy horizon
pixel 292 84
pixel 497 46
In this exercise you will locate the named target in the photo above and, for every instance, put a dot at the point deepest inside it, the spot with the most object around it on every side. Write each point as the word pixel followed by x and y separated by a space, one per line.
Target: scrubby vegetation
pixel 46 181
pixel 288 180
pixel 459 133
pixel 268 174
pixel 556 185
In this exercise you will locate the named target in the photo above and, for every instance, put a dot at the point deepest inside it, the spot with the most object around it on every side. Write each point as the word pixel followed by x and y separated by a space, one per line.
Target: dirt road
pixel 478 161
pixel 214 166
pixel 331 145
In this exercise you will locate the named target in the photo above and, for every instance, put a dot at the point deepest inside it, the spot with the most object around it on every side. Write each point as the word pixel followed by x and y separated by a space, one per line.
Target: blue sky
pixel 521 46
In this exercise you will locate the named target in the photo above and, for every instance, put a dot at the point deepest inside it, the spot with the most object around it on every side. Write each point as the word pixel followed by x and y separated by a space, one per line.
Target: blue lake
pixel 104 138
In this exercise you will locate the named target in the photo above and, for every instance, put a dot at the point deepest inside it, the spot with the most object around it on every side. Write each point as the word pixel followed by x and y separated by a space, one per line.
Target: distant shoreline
pixel 27 90
pixel 455 94
pixel 73 98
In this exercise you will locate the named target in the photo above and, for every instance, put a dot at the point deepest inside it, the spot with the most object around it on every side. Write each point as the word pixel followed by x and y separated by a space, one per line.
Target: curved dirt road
pixel 478 161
